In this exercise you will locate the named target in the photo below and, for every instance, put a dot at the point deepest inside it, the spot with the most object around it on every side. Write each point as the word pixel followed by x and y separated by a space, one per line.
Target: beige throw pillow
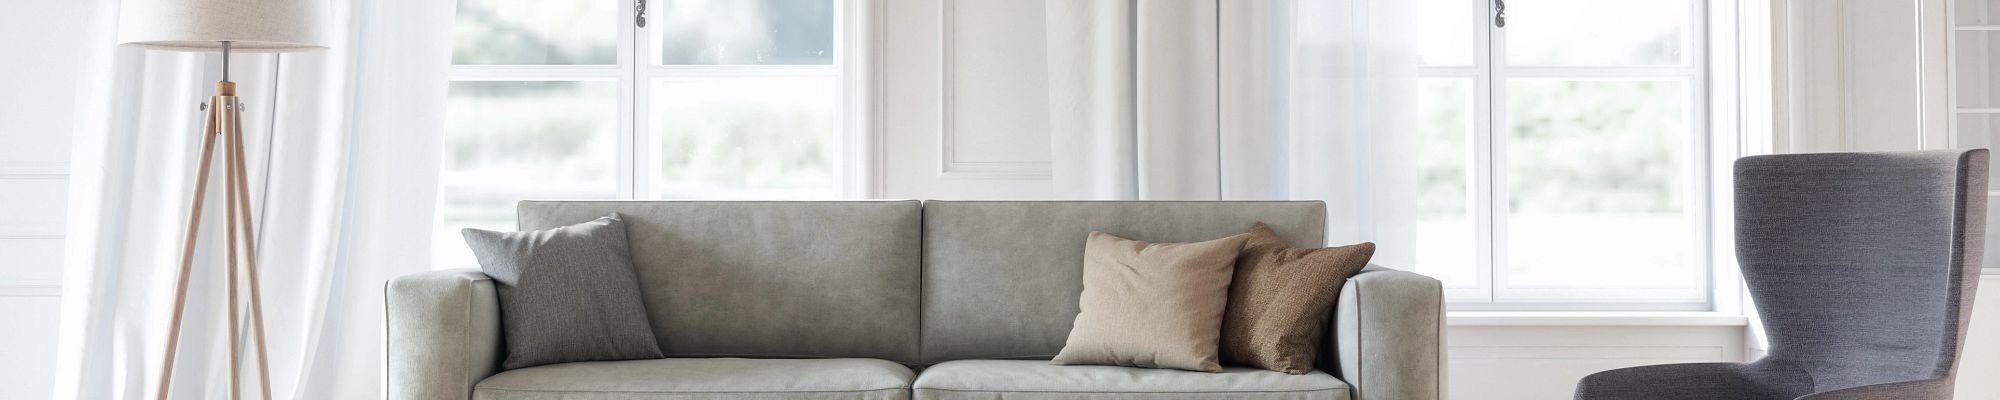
pixel 1151 305
pixel 1280 298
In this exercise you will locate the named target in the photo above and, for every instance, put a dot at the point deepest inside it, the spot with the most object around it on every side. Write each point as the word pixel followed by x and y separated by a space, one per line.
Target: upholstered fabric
pixel 1280 297
pixel 1151 305
pixel 783 279
pixel 1002 278
pixel 566 293
pixel 704 379
pixel 1388 336
pixel 1941 388
pixel 1862 266
pixel 1035 380
pixel 443 333
pixel 1765 379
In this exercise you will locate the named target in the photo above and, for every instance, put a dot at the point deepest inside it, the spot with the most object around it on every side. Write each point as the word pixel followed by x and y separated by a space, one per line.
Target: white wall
pixel 1982 349
pixel 964 108
pixel 1860 75
pixel 37 90
pixel 1520 358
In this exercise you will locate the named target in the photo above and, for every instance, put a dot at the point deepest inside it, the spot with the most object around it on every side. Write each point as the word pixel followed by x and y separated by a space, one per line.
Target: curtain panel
pixel 1240 100
pixel 343 147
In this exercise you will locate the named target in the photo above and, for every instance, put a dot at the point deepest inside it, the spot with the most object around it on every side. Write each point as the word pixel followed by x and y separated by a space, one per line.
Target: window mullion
pixel 1702 133
pixel 750 71
pixel 635 172
pixel 1492 146
pixel 489 73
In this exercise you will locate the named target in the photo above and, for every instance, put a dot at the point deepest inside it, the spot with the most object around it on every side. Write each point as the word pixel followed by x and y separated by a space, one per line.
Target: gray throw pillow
pixel 566 294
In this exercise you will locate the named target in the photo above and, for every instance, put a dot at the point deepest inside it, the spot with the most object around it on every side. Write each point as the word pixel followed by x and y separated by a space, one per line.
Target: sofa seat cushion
pixel 1036 380
pixel 703 378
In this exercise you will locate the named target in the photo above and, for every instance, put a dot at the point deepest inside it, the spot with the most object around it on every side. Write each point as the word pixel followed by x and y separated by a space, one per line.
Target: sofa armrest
pixel 443 334
pixel 1388 335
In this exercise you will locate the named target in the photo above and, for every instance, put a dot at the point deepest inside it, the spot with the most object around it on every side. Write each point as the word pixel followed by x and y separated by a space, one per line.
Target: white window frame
pixel 853 56
pixel 1711 146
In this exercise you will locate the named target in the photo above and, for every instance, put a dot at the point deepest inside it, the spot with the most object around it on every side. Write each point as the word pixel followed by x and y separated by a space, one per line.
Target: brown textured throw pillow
pixel 1151 305
pixel 1280 298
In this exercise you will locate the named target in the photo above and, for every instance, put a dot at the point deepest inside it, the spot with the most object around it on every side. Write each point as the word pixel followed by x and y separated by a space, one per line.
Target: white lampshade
pixel 251 26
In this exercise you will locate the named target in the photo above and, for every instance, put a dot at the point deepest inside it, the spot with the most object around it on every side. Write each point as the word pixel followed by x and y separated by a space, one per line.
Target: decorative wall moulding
pixel 30 289
pixel 30 231
pixel 949 166
pixel 34 170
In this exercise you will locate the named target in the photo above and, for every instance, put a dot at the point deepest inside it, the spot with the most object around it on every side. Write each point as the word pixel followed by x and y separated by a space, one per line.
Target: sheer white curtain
pixel 343 151
pixel 1133 99
pixel 1091 100
pixel 1241 100
pixel 1352 120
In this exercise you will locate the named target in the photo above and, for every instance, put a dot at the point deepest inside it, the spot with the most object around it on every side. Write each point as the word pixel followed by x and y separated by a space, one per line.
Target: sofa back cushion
pixel 1002 278
pixel 769 279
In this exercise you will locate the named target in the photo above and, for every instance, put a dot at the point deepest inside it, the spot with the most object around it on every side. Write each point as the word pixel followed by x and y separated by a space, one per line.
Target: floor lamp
pixel 256 26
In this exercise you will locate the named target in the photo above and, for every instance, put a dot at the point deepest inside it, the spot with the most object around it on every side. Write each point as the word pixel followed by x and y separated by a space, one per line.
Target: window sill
pixel 1497 318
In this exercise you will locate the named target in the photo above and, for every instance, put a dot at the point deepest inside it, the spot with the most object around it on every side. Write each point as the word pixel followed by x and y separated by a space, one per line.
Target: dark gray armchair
pixel 1862 266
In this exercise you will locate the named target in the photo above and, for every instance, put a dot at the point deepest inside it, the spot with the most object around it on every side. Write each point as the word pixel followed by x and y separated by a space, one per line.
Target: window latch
pixel 1499 13
pixel 639 13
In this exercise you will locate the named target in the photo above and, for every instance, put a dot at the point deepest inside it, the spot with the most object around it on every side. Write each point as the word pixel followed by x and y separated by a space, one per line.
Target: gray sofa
pixel 894 300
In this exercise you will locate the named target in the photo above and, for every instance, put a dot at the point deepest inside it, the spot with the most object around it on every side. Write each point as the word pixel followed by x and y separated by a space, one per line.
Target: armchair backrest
pixel 1863 265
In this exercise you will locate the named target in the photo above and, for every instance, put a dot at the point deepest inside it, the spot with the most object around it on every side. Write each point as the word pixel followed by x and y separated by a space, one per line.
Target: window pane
pixel 1978 12
pixel 1596 185
pixel 1978 131
pixel 1597 32
pixel 1444 31
pixel 744 32
pixel 1978 55
pixel 752 137
pixel 512 141
pixel 1446 247
pixel 535 32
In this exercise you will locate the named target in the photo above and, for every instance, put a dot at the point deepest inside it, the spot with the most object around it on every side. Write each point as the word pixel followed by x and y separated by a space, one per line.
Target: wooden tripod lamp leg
pixel 229 137
pixel 224 122
pixel 249 241
pixel 208 133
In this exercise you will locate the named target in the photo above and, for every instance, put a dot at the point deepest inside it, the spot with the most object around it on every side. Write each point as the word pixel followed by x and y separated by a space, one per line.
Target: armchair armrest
pixel 443 334
pixel 1388 336
pixel 1924 389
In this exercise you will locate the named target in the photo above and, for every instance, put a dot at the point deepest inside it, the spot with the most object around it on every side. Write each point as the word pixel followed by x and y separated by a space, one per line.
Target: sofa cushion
pixel 769 279
pixel 703 378
pixel 1002 278
pixel 1037 380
